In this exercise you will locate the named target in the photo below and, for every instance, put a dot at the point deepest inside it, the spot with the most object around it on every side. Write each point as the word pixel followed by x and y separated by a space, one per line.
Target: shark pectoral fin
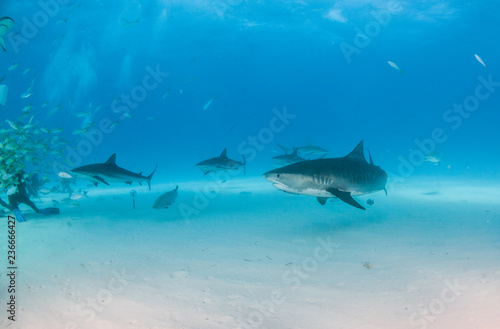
pixel 100 180
pixel 2 43
pixel 322 201
pixel 95 183
pixel 346 197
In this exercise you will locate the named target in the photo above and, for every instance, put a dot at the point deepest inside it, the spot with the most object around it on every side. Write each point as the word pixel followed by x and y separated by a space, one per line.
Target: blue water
pixel 254 57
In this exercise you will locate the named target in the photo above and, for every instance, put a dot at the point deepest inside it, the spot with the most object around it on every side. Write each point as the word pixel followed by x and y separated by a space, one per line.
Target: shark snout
pixel 271 176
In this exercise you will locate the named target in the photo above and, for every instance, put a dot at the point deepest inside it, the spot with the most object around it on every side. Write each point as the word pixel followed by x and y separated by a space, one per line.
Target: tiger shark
pixel 109 172
pixel 332 177
pixel 221 163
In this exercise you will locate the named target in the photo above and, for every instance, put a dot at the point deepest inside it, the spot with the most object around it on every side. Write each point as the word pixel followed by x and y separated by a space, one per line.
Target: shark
pixel 109 172
pixel 331 177
pixel 288 158
pixel 307 150
pixel 5 24
pixel 221 163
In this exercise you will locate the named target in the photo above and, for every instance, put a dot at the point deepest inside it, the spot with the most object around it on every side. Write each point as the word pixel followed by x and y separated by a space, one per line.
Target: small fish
pixel 166 94
pixel 128 23
pixel 27 70
pixel 150 118
pixel 64 20
pixel 82 114
pixel 114 124
pixel 98 108
pixel 79 131
pixel 65 175
pixel 393 65
pixel 479 59
pixel 436 159
pixel 207 104
pixel 12 124
pixel 14 66
pixel 89 125
pixel 54 110
pixel 76 197
pixel 56 130
pixel 58 39
pixel 26 94
pixel 44 191
pixel 12 190
pixel 45 104
pixel 24 116
pixel 27 108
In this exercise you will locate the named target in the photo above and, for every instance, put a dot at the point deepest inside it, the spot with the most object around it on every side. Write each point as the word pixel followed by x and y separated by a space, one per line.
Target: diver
pixel 21 196
pixel 33 185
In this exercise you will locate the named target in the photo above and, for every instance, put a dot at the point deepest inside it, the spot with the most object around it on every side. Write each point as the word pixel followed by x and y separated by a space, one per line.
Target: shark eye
pixel 277 175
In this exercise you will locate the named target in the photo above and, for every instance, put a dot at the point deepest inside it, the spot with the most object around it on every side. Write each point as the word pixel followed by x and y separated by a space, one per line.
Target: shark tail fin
pixel 244 165
pixel 148 179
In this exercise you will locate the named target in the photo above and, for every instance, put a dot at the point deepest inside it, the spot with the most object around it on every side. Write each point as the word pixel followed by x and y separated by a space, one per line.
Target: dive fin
pixel 19 216
pixel 322 200
pixel 346 197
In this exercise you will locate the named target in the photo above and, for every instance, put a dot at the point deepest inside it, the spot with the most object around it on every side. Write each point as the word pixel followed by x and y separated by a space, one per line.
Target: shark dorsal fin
pixel 111 160
pixel 357 153
pixel 223 154
pixel 295 150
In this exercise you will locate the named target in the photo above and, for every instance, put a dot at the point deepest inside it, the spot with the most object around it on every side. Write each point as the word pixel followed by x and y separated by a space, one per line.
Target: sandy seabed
pixel 426 256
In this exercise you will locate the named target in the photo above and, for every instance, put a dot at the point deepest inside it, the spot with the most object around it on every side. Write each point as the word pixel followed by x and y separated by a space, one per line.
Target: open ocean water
pixel 196 101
